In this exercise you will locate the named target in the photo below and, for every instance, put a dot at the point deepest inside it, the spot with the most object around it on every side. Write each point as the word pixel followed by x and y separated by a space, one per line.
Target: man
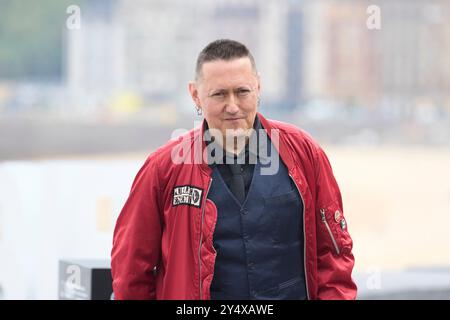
pixel 211 216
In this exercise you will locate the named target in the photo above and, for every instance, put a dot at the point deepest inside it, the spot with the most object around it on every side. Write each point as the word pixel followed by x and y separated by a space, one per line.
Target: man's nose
pixel 231 104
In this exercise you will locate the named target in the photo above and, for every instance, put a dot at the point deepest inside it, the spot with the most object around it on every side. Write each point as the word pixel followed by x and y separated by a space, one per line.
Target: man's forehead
pixel 227 67
pixel 222 73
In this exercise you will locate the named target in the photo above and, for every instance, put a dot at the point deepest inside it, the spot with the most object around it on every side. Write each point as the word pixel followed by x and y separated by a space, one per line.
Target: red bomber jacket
pixel 163 242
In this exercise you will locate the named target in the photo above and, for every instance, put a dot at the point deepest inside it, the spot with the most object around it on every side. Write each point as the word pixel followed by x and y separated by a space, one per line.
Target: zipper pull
pixel 322 213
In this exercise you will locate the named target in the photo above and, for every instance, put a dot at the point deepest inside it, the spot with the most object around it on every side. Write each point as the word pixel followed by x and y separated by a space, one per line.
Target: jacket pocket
pixel 332 235
pixel 334 228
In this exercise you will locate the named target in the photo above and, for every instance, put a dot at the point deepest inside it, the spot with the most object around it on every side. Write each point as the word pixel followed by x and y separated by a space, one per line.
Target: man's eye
pixel 243 92
pixel 218 94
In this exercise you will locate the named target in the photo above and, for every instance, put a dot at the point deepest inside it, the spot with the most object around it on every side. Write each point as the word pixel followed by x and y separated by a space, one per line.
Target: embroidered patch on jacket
pixel 189 195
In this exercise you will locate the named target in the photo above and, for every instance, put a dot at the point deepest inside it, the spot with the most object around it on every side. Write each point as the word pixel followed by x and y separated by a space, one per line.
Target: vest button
pixel 244 211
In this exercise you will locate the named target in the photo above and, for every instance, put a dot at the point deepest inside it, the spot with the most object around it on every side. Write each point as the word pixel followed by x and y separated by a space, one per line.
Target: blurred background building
pixel 318 60
pixel 105 92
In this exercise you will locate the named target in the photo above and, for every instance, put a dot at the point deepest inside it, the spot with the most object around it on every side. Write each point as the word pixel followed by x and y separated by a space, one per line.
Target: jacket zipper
pixel 304 237
pixel 201 239
pixel 324 219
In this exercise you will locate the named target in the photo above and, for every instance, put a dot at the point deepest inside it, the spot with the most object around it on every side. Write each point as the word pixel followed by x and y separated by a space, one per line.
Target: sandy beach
pixel 397 203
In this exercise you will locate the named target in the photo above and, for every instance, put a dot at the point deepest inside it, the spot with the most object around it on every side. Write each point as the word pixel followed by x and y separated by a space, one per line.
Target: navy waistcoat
pixel 259 244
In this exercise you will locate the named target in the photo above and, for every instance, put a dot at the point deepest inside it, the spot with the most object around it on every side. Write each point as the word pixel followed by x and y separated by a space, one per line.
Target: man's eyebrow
pixel 213 91
pixel 221 90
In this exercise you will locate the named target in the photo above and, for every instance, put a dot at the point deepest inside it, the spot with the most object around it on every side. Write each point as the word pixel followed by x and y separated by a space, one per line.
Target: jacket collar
pixel 280 144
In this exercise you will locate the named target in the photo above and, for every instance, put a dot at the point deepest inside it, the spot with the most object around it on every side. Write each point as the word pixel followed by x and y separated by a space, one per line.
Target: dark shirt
pixel 230 160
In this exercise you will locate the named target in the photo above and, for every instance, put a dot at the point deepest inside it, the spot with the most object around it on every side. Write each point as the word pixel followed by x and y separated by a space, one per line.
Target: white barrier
pixel 50 210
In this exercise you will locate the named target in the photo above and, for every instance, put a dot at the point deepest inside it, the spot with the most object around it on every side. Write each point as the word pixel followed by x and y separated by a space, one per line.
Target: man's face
pixel 228 93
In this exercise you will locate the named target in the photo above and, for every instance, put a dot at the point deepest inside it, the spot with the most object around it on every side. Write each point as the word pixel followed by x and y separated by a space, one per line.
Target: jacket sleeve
pixel 335 260
pixel 137 238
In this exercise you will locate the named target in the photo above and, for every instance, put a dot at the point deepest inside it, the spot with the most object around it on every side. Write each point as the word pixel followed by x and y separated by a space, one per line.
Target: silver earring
pixel 199 110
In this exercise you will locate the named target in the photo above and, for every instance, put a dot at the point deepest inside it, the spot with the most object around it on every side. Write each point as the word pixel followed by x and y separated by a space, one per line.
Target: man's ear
pixel 194 92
